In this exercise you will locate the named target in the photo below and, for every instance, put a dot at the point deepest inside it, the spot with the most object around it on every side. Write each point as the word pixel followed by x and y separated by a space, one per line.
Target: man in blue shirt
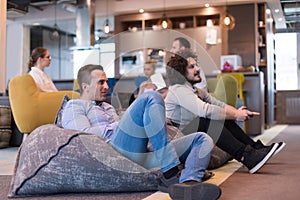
pixel 143 121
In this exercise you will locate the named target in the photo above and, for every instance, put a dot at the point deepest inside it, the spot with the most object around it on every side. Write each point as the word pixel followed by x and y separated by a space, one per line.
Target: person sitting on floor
pixel 143 121
pixel 185 104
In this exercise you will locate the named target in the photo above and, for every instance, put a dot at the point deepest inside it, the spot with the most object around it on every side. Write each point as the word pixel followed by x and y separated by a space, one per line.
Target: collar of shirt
pixel 97 103
pixel 193 89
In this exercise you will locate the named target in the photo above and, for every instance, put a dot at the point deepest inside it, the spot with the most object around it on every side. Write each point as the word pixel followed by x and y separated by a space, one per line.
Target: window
pixel 286 61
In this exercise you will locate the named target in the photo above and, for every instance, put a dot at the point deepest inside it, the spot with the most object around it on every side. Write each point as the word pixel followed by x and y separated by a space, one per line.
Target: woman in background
pixel 40 59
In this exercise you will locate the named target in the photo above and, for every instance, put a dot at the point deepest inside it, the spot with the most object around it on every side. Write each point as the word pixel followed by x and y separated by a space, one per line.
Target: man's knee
pixel 152 95
pixel 205 139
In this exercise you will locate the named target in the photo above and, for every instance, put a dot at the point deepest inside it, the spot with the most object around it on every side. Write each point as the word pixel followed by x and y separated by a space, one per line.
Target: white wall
pixel 3 45
pixel 16 50
pixel 298 58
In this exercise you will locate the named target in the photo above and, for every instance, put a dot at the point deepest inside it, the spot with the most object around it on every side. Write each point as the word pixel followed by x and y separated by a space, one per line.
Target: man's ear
pixel 84 86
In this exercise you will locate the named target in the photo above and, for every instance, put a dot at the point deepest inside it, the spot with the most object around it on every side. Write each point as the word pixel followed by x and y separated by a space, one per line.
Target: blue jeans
pixel 144 121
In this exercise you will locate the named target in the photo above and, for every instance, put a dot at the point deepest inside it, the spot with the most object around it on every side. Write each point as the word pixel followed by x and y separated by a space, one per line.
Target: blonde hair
pixel 151 62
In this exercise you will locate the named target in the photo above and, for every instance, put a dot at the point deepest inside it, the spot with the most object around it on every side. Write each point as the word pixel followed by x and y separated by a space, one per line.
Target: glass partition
pixel 132 63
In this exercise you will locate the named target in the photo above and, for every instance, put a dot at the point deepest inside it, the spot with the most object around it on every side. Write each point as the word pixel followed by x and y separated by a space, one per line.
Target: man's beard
pixel 194 81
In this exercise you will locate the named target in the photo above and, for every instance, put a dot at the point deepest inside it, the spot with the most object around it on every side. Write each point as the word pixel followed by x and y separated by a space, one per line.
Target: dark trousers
pixel 227 135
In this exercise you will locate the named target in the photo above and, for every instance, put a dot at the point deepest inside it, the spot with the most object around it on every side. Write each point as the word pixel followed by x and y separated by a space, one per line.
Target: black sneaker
pixel 165 183
pixel 259 145
pixel 197 191
pixel 254 159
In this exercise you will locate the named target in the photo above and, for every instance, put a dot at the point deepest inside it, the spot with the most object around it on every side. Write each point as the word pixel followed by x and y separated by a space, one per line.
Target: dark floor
pixel 278 179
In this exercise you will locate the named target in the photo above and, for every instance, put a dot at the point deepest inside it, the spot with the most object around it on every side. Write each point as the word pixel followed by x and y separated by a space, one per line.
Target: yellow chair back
pixel 32 108
pixel 240 79
pixel 226 90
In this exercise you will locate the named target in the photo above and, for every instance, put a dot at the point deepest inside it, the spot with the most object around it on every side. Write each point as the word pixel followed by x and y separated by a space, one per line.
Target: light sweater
pixel 184 103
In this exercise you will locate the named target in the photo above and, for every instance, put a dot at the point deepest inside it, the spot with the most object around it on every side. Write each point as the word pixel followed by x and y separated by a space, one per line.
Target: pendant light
pixel 165 22
pixel 55 34
pixel 106 26
pixel 228 21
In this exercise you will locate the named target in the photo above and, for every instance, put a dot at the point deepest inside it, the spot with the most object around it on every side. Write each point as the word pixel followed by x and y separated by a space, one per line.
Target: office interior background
pixel 265 36
pixel 31 23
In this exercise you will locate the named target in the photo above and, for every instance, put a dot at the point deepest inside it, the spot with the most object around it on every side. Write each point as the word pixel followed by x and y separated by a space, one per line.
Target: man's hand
pixel 148 86
pixel 244 114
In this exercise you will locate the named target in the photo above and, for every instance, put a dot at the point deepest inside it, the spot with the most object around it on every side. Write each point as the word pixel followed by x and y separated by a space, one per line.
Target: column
pixel 3 46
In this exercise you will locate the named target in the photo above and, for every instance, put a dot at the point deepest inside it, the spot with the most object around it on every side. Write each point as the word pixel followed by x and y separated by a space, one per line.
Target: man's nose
pixel 106 85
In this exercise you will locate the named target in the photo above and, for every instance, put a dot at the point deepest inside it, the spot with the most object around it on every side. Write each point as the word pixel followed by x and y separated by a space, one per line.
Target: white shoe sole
pixel 263 161
pixel 279 148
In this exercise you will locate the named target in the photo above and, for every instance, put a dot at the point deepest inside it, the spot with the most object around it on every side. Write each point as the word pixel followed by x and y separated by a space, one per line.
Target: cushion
pixel 5 135
pixel 58 117
pixel 218 158
pixel 5 117
pixel 54 160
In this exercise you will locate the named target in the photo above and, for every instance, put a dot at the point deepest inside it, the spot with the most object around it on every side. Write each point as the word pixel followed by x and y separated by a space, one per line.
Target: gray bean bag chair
pixel 53 160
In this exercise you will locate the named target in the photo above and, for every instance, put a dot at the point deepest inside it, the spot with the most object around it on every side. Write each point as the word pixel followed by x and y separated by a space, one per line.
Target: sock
pixel 171 172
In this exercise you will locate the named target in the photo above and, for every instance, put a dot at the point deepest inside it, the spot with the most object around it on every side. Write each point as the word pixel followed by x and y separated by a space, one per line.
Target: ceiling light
pixel 141 10
pixel 106 26
pixel 228 21
pixel 209 23
pixel 165 22
pixel 276 10
pixel 55 34
pixel 207 5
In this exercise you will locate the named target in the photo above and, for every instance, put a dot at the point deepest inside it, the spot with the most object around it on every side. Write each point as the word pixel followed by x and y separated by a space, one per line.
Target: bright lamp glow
pixel 164 24
pixel 226 20
pixel 106 28
pixel 209 23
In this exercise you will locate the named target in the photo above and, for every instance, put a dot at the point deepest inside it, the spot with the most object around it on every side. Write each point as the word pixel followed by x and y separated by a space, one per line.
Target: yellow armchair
pixel 32 108
pixel 224 88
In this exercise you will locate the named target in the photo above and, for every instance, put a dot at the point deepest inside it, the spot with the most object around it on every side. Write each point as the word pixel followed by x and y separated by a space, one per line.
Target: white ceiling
pixel 66 20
